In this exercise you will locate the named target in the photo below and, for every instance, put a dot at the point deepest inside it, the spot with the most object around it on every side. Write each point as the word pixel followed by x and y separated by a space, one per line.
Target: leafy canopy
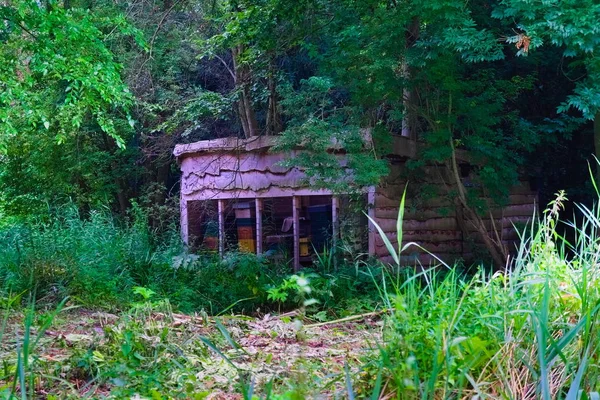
pixel 57 72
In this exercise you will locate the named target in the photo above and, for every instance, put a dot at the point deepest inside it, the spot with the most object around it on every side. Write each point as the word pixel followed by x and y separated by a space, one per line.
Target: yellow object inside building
pixel 304 252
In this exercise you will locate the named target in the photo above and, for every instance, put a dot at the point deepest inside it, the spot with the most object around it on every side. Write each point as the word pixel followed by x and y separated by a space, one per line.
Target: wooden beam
pixel 221 212
pixel 296 217
pixel 371 213
pixel 335 206
pixel 259 226
pixel 184 222
pixel 239 194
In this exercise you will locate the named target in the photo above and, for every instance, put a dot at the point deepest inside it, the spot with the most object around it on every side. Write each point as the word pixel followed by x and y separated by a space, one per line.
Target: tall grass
pixel 527 333
pixel 530 332
pixel 96 259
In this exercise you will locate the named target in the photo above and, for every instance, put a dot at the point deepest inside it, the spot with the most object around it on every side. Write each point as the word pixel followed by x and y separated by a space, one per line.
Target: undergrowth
pixel 96 260
pixel 530 332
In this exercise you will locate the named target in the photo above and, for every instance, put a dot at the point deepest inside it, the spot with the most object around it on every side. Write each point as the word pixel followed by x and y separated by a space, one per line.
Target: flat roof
pixel 401 146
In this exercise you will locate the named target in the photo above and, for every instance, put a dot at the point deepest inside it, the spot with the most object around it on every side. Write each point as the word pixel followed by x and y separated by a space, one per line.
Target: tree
pixel 436 67
pixel 252 41
pixel 57 72
pixel 75 74
pixel 446 56
pixel 60 84
pixel 573 27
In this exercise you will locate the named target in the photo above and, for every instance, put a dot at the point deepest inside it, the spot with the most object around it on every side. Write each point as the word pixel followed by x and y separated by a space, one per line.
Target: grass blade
pixel 214 348
pixel 573 393
pixel 388 244
pixel 348 382
pixel 227 336
pixel 400 219
pixel 377 387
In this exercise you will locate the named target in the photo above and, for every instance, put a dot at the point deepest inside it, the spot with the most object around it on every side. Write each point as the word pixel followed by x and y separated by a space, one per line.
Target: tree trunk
pixel 242 82
pixel 408 122
pixel 273 118
pixel 122 196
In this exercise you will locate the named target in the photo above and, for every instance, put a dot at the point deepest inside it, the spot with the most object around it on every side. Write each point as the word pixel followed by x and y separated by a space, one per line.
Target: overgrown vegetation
pixel 429 333
pixel 525 333
pixel 96 94
pixel 97 260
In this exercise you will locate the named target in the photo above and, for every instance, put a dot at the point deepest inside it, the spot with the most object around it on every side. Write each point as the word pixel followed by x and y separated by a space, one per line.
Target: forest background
pixel 95 94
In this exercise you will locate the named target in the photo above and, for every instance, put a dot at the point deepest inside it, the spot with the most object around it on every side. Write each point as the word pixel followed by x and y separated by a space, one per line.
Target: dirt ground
pixel 272 349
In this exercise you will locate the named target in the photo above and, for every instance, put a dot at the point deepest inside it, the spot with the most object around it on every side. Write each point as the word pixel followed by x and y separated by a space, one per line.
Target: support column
pixel 221 212
pixel 335 206
pixel 259 227
pixel 296 217
pixel 371 213
pixel 183 214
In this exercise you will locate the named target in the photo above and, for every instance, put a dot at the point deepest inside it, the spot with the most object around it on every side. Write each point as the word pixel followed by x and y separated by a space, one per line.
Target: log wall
pixel 432 221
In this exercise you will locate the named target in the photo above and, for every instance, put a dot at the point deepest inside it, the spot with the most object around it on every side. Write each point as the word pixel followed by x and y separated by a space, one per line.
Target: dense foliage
pixel 507 80
pixel 98 261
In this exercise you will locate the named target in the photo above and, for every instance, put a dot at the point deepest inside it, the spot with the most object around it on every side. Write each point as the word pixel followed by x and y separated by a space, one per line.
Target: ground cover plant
pixel 529 332
pixel 151 352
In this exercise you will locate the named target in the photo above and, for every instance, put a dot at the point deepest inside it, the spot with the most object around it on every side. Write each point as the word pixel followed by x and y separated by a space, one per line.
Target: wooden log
pixel 226 144
pixel 296 217
pixel 210 194
pixel 183 209
pixel 436 224
pixel 386 213
pixel 510 222
pixel 528 198
pixel 371 213
pixel 435 248
pixel 389 196
pixel 421 236
pixel 470 227
pixel 386 198
pixel 221 212
pixel 506 234
pixel 500 224
pixel 259 226
pixel 515 210
pixel 510 234
pixel 391 192
pixel 336 226
pixel 382 201
pixel 425 260
pixel 419 215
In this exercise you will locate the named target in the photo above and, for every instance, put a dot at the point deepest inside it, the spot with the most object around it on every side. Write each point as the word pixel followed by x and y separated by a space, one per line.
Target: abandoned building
pixel 235 194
